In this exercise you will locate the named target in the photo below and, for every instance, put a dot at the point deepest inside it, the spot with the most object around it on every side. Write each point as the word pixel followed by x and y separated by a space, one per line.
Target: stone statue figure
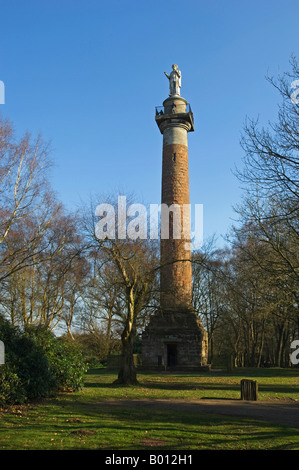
pixel 174 81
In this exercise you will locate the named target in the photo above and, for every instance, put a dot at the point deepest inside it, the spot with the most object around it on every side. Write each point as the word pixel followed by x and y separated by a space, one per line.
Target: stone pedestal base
pixel 175 340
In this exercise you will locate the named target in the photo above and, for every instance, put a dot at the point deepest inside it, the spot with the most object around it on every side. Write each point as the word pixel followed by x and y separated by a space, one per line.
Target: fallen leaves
pixel 83 432
pixel 74 420
pixel 152 442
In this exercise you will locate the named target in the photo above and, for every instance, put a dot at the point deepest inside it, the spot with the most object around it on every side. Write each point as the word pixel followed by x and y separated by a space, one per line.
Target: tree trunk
pixel 128 374
pixel 279 346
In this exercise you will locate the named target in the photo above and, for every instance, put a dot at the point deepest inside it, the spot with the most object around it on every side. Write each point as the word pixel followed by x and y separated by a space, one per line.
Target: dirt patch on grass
pixel 148 442
pixel 83 432
pixel 74 420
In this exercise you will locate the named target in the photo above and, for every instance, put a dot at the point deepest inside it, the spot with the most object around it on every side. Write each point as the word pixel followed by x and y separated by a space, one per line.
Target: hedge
pixel 37 364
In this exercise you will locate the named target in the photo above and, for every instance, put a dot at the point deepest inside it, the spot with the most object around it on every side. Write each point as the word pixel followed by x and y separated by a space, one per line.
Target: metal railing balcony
pixel 160 110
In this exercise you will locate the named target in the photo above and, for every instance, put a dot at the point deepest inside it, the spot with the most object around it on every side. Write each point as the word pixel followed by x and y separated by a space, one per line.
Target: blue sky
pixel 88 74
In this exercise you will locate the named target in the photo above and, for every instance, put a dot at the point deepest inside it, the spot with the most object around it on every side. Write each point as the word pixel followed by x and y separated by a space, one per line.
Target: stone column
pixel 176 274
pixel 174 338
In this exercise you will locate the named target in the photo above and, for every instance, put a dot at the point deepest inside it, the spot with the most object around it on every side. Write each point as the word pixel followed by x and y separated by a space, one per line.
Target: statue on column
pixel 174 81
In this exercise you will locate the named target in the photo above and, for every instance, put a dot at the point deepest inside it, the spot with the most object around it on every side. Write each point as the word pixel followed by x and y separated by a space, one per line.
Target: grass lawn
pixel 81 420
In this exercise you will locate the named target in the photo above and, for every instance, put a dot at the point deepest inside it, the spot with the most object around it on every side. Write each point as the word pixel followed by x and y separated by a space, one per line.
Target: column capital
pixel 176 112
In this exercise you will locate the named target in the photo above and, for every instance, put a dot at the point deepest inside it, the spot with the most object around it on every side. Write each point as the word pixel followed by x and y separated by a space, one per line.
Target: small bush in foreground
pixel 38 364
pixel 66 362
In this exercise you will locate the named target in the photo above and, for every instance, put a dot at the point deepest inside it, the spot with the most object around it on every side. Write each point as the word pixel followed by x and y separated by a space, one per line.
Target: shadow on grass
pixel 221 399
pixel 251 372
pixel 214 385
pixel 140 428
pixel 236 372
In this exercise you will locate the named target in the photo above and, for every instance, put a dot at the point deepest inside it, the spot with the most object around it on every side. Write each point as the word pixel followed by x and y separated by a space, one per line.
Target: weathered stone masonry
pixel 175 337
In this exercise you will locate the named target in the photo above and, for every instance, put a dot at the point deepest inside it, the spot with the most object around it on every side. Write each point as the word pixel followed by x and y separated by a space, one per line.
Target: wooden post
pixel 249 389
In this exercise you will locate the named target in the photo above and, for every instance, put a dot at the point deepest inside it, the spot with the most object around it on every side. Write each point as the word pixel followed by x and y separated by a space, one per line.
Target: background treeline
pixel 249 293
pixel 56 274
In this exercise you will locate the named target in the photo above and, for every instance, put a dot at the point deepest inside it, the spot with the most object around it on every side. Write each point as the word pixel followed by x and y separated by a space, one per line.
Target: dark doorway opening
pixel 172 354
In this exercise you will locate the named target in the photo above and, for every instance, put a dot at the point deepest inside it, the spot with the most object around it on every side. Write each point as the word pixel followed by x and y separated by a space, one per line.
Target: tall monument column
pixel 176 276
pixel 175 337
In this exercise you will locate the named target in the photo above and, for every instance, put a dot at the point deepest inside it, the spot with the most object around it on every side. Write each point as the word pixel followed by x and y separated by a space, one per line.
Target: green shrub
pixel 38 364
pixel 69 367
pixel 66 363
pixel 26 370
pixel 11 390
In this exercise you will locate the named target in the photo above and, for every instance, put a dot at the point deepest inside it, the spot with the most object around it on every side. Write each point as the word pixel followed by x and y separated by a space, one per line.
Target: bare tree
pixel 23 169
pixel 27 204
pixel 35 292
pixel 208 289
pixel 270 173
pixel 133 264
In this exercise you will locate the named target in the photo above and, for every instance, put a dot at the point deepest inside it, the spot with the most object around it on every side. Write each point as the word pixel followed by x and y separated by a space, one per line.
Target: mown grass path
pixel 164 412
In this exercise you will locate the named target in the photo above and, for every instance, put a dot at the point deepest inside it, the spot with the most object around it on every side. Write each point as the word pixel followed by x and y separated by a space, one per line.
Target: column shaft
pixel 176 273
